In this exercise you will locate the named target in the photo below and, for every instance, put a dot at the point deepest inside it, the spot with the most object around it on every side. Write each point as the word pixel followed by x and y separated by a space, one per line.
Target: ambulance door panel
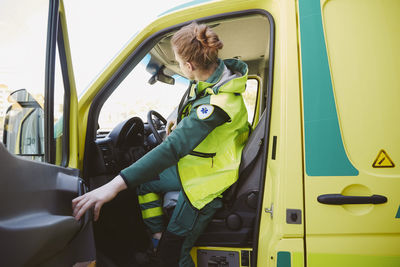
pixel 351 95
pixel 36 220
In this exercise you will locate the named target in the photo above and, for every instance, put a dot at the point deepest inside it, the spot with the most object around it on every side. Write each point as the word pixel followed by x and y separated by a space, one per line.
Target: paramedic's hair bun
pixel 207 37
pixel 197 44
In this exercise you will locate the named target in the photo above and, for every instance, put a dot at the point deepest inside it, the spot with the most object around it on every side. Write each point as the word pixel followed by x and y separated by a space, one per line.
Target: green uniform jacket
pixel 208 141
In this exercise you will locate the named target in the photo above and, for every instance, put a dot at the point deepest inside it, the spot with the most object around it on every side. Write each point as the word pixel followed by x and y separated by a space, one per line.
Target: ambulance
pixel 319 182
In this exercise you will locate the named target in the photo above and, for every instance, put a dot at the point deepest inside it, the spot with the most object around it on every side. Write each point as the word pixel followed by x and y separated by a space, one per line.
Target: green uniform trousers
pixel 186 223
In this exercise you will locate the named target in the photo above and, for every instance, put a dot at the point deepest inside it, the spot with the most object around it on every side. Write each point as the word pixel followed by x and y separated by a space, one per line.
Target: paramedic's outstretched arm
pixel 188 134
pixel 97 198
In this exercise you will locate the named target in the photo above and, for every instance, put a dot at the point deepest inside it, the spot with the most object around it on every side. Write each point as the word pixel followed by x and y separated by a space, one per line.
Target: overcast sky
pixel 98 29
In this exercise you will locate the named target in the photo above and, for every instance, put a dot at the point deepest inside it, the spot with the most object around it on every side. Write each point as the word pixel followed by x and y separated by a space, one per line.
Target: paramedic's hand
pixel 171 125
pixel 97 198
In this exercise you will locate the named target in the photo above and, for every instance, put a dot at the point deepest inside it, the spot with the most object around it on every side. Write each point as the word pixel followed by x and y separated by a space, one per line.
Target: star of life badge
pixel 204 111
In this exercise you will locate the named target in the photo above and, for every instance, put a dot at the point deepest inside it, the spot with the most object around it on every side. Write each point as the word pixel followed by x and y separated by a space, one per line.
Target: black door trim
pixel 52 28
pixel 67 95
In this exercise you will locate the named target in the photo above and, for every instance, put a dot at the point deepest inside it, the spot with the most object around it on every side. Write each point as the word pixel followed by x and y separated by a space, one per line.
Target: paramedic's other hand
pixel 171 125
pixel 97 198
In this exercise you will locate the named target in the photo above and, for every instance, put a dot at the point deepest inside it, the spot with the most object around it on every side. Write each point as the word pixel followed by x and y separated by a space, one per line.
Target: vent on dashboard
pixel 107 153
pixel 105 149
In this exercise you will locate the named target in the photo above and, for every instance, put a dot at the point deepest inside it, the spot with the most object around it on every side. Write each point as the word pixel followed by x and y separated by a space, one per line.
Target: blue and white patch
pixel 204 111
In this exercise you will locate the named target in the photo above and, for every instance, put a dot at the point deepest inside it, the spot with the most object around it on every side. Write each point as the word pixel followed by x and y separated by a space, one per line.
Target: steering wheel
pixel 154 125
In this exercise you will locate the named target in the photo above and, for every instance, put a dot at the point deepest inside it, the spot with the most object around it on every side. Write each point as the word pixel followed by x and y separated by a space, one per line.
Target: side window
pixel 22 66
pixel 22 116
pixel 250 98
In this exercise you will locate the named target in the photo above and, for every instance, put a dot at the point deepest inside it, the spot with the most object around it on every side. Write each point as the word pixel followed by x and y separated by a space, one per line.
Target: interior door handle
pixel 82 189
pixel 339 199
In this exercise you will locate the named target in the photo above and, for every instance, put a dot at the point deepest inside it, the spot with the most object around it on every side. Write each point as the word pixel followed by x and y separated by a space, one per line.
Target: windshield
pixel 98 29
pixel 135 96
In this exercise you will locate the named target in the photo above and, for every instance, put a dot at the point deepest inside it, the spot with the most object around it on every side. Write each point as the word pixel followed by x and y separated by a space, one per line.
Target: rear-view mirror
pixel 160 76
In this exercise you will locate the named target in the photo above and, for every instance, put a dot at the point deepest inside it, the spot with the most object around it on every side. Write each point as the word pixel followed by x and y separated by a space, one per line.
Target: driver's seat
pixel 233 224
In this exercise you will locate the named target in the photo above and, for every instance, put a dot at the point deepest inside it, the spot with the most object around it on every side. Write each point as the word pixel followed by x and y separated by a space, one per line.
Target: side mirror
pixel 22 96
pixel 160 76
pixel 24 126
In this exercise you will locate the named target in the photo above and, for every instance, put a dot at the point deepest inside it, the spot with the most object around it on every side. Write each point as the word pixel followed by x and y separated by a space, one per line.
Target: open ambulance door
pixel 36 222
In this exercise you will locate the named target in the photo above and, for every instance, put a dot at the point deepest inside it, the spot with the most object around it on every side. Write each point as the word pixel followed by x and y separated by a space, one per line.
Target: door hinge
pixel 270 211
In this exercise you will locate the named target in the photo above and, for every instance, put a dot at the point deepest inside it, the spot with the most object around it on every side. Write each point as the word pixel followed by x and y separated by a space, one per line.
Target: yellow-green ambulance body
pixel 320 184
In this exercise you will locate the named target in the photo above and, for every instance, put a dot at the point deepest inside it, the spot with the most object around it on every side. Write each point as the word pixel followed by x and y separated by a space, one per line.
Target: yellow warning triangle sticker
pixel 383 160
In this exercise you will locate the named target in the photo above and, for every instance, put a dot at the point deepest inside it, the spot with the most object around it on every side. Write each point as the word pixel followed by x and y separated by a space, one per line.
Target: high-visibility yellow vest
pixel 213 165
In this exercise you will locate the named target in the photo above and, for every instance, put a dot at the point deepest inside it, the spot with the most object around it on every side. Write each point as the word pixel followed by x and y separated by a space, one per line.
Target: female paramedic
pixel 200 157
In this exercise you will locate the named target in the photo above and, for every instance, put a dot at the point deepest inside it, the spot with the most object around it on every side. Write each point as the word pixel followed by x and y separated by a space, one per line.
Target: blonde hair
pixel 197 44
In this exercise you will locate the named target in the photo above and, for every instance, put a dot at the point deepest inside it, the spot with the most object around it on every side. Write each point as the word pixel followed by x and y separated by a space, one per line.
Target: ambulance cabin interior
pixel 120 229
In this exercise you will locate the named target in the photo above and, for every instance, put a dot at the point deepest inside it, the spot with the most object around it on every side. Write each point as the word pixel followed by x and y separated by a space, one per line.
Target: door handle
pixel 339 199
pixel 82 189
